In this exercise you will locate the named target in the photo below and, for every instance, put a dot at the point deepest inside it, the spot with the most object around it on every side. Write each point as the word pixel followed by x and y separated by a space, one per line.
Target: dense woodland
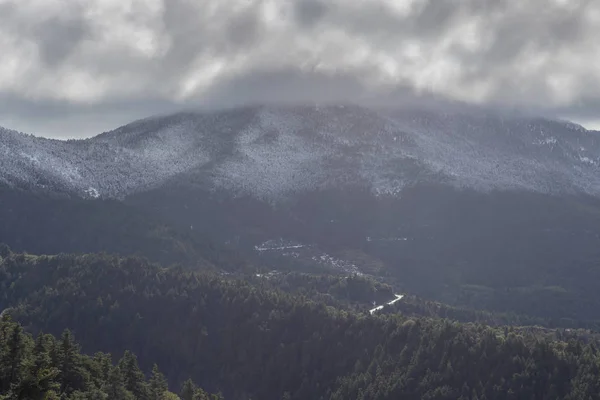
pixel 39 223
pixel 505 251
pixel 50 368
pixel 537 264
pixel 253 341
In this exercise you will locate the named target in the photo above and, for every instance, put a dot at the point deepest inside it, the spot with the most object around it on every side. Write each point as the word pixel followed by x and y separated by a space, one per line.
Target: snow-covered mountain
pixel 405 195
pixel 271 152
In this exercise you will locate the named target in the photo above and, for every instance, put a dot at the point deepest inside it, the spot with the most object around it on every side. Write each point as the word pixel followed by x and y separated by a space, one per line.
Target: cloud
pixel 111 61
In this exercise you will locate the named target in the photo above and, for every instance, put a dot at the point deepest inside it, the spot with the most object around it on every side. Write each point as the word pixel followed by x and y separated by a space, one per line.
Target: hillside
pixel 44 223
pixel 53 368
pixel 253 342
pixel 472 208
pixel 271 151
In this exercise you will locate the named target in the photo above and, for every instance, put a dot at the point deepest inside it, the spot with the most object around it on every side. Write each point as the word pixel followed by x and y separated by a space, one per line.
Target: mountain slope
pixel 252 342
pixel 273 151
pixel 52 368
pixel 42 223
pixel 468 207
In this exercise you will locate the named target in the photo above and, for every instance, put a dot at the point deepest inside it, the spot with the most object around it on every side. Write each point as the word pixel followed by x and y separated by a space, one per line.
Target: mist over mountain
pixel 270 152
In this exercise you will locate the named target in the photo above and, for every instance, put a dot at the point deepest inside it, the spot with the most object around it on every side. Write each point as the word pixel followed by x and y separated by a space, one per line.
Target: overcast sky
pixel 74 68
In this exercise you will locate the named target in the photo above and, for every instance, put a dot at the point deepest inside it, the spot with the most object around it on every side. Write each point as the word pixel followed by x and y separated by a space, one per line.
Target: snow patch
pixel 550 140
pixel 92 192
pixel 587 160
pixel 32 158
pixel 278 245
pixel 338 264
pixel 390 239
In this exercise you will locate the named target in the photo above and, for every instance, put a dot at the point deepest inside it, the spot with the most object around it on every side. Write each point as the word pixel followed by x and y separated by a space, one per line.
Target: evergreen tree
pixel 47 369
pixel 4 251
pixel 135 381
pixel 71 376
pixel 115 387
pixel 13 362
pixel 158 384
pixel 187 390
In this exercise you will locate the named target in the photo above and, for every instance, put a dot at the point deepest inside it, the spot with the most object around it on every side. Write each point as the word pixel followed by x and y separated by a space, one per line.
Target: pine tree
pixel 43 373
pixel 158 384
pixel 187 390
pixel 200 394
pixel 50 369
pixel 216 396
pixel 51 395
pixel 170 396
pixel 104 362
pixel 4 251
pixel 14 370
pixel 135 381
pixel 43 360
pixel 116 389
pixel 70 374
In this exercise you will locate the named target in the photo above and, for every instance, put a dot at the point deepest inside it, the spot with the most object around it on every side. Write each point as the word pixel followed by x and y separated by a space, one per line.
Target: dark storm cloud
pixel 56 35
pixel 122 59
pixel 309 12
pixel 285 85
pixel 58 38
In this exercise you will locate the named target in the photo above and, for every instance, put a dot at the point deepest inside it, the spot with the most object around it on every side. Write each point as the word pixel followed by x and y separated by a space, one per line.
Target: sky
pixel 75 68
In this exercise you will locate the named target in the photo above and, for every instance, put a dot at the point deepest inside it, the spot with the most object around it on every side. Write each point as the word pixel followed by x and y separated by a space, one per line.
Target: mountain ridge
pixel 272 151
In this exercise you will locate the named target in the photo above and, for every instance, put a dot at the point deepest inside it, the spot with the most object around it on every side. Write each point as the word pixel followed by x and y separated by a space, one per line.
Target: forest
pixel 51 368
pixel 250 340
pixel 537 265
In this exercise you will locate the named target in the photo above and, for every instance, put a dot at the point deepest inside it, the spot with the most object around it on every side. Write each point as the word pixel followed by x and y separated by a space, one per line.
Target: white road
pixel 398 297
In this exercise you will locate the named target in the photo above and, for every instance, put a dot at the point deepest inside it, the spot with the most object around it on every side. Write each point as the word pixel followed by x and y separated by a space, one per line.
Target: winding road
pixel 398 297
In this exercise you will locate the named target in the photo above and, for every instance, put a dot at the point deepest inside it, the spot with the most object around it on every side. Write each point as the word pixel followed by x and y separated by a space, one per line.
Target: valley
pixel 472 208
pixel 335 235
pixel 222 331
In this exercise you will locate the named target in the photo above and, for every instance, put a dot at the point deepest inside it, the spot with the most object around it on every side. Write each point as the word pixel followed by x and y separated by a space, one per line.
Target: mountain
pixel 474 208
pixel 329 252
pixel 270 152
